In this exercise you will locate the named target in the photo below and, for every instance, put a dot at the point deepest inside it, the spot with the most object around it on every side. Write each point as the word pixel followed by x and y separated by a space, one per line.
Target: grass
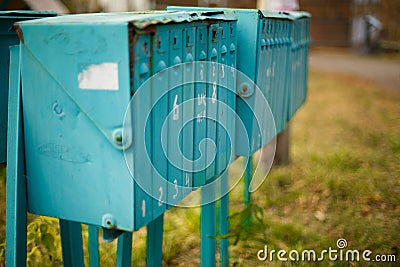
pixel 343 182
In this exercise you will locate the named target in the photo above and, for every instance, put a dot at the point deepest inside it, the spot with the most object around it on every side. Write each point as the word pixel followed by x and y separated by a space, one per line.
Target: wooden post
pixel 282 156
pixel 282 147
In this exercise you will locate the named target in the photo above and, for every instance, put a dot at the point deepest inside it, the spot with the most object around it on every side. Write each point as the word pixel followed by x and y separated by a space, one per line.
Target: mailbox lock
pixel 245 90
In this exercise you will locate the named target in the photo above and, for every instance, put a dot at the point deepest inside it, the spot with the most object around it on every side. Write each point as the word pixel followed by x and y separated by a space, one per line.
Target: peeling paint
pixel 102 76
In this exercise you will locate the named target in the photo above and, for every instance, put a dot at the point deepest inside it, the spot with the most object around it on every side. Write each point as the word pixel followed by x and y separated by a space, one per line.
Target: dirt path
pixel 383 71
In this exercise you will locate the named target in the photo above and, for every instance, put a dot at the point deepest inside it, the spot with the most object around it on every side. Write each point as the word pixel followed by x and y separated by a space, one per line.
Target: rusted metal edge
pixel 300 14
pixel 184 16
pixel 275 14
pixel 292 15
pixel 19 32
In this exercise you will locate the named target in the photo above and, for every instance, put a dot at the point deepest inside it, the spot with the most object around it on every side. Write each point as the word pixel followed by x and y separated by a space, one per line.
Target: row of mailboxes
pixel 93 118
pixel 279 50
pixel 272 52
pixel 85 140
pixel 8 37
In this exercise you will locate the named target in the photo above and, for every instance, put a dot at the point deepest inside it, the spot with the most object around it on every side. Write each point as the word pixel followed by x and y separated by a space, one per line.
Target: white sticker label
pixel 102 76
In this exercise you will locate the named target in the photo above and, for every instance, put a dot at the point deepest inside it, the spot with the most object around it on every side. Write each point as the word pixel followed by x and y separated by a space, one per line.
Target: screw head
pixel 245 90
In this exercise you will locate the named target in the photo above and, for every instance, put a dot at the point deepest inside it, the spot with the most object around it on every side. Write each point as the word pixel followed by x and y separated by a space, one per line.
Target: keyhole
pixel 144 47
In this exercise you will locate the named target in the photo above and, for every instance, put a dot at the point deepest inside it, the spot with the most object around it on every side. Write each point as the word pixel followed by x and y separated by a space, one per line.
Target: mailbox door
pixel 221 138
pixel 231 94
pixel 142 171
pixel 160 61
pixel 175 97
pixel 189 39
pixel 200 126
pixel 214 34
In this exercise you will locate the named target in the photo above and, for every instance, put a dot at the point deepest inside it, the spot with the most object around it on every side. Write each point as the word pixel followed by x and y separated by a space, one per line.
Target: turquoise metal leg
pixel 16 186
pixel 247 179
pixel 71 242
pixel 154 242
pixel 124 250
pixel 223 221
pixel 94 257
pixel 208 229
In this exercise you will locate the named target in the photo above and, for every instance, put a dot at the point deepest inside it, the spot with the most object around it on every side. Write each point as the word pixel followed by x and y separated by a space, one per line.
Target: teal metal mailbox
pixel 298 66
pixel 79 73
pixel 8 37
pixel 264 43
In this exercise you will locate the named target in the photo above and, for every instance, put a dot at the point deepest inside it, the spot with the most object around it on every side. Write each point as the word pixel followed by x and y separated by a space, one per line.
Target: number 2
pixel 175 110
pixel 187 180
pixel 143 208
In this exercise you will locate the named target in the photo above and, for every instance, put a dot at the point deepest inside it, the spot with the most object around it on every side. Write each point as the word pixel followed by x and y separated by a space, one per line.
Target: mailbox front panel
pixel 74 169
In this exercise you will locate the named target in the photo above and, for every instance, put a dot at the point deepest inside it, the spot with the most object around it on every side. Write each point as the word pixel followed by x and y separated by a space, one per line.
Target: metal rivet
pixel 245 90
pixel 108 221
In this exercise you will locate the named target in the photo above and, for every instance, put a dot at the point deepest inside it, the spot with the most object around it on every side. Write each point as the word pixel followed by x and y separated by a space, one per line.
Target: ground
pixel 382 70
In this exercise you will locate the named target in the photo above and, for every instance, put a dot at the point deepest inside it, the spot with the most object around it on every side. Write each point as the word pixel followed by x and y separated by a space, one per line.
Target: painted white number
pixel 161 195
pixel 222 71
pixel 268 72
pixel 200 117
pixel 143 208
pixel 213 70
pixel 214 94
pixel 175 110
pixel 176 189
pixel 273 69
pixel 187 180
pixel 201 99
pixel 201 73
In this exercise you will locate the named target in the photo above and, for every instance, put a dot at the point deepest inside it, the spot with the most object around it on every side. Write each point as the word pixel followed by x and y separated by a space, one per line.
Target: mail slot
pixel 84 137
pixel 264 46
pixel 297 75
pixel 8 37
